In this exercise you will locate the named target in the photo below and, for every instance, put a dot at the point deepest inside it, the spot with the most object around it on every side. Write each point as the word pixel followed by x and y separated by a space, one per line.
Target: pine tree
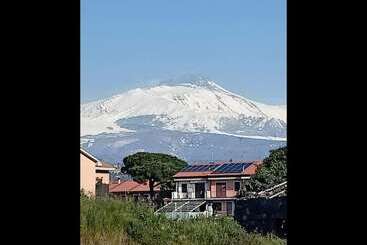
pixel 156 168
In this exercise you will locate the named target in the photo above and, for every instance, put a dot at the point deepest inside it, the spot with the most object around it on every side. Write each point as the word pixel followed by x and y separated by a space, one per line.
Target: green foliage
pixel 152 167
pixel 124 222
pixel 273 171
pixel 145 166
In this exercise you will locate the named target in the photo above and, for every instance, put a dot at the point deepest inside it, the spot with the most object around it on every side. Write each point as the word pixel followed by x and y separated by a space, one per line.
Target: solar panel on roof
pixel 232 168
pixel 247 165
pixel 224 168
pixel 202 168
pixel 198 168
pixel 195 168
pixel 185 169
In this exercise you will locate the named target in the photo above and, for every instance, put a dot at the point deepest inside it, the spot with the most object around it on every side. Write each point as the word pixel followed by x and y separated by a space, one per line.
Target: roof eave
pixel 90 156
pixel 103 168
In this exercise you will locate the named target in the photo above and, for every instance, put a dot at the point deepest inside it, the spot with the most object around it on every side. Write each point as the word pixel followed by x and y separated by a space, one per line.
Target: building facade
pixel 210 189
pixel 103 172
pixel 94 174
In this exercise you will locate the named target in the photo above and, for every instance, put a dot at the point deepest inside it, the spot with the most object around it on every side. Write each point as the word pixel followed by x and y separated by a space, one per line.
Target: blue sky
pixel 240 44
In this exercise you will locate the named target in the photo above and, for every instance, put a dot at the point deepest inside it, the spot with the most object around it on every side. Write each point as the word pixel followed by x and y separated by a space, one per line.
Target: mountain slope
pixel 185 145
pixel 194 120
pixel 200 106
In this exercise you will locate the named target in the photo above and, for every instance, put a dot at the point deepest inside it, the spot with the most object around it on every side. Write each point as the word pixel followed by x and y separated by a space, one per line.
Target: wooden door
pixel 221 189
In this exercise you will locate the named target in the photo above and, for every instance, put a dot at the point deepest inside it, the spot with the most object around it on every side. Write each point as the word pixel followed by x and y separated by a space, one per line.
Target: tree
pixel 156 168
pixel 271 172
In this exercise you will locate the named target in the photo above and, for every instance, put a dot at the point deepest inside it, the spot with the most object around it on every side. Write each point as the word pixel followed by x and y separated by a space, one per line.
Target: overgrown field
pixel 124 222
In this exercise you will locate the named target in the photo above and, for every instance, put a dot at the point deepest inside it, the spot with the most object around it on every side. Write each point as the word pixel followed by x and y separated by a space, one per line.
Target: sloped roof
pixel 219 169
pixel 99 164
pixel 105 165
pixel 112 185
pixel 192 174
pixel 252 168
pixel 131 186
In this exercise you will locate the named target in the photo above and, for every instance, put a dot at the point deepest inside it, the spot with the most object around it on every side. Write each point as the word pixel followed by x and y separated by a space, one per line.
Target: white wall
pixel 190 188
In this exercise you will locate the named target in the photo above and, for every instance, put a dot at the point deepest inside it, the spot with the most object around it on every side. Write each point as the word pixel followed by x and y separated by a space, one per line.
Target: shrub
pixel 108 221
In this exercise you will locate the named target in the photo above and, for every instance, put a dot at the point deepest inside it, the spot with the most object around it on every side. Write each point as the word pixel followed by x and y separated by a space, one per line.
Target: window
pixel 229 208
pixel 199 190
pixel 221 190
pixel 237 185
pixel 99 180
pixel 217 206
pixel 184 188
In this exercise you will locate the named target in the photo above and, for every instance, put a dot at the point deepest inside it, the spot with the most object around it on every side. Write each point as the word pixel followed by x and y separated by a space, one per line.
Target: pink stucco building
pixel 92 171
pixel 211 188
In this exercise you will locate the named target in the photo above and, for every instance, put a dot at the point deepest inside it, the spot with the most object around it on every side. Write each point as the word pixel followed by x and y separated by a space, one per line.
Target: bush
pixel 271 172
pixel 111 221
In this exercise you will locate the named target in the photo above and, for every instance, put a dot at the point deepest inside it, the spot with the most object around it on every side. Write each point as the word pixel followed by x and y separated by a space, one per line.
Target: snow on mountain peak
pixel 190 81
pixel 188 104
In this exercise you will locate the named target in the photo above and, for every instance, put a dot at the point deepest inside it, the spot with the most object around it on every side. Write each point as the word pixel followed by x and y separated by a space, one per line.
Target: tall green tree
pixel 271 172
pixel 156 168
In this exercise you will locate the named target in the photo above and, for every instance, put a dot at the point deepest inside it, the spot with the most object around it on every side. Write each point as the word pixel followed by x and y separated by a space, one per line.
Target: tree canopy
pixel 156 168
pixel 271 172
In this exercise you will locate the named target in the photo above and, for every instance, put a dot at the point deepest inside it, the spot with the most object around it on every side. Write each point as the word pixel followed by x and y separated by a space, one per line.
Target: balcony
pixel 179 195
pixel 190 195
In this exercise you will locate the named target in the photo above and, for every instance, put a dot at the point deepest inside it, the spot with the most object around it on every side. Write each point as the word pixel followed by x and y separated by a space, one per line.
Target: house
pixel 132 189
pixel 209 189
pixel 103 172
pixel 93 172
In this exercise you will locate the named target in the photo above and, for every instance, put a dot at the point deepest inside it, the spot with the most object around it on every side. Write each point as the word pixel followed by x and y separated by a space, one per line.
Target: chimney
pixel 119 180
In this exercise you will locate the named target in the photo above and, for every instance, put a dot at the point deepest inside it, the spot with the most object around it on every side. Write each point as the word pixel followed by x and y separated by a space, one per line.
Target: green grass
pixel 125 222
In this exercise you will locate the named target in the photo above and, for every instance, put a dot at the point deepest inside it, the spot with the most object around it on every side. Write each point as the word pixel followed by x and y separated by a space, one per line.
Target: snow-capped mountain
pixel 176 111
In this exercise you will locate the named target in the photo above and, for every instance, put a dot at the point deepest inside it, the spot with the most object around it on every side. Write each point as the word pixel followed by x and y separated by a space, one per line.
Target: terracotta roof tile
pixel 131 186
pixel 113 185
pixel 252 168
pixel 192 174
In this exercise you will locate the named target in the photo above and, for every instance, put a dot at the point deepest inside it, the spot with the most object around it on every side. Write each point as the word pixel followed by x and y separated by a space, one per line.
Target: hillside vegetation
pixel 111 221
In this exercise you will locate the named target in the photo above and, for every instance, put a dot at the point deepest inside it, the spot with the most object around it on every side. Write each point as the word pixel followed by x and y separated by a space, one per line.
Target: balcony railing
pixel 181 195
